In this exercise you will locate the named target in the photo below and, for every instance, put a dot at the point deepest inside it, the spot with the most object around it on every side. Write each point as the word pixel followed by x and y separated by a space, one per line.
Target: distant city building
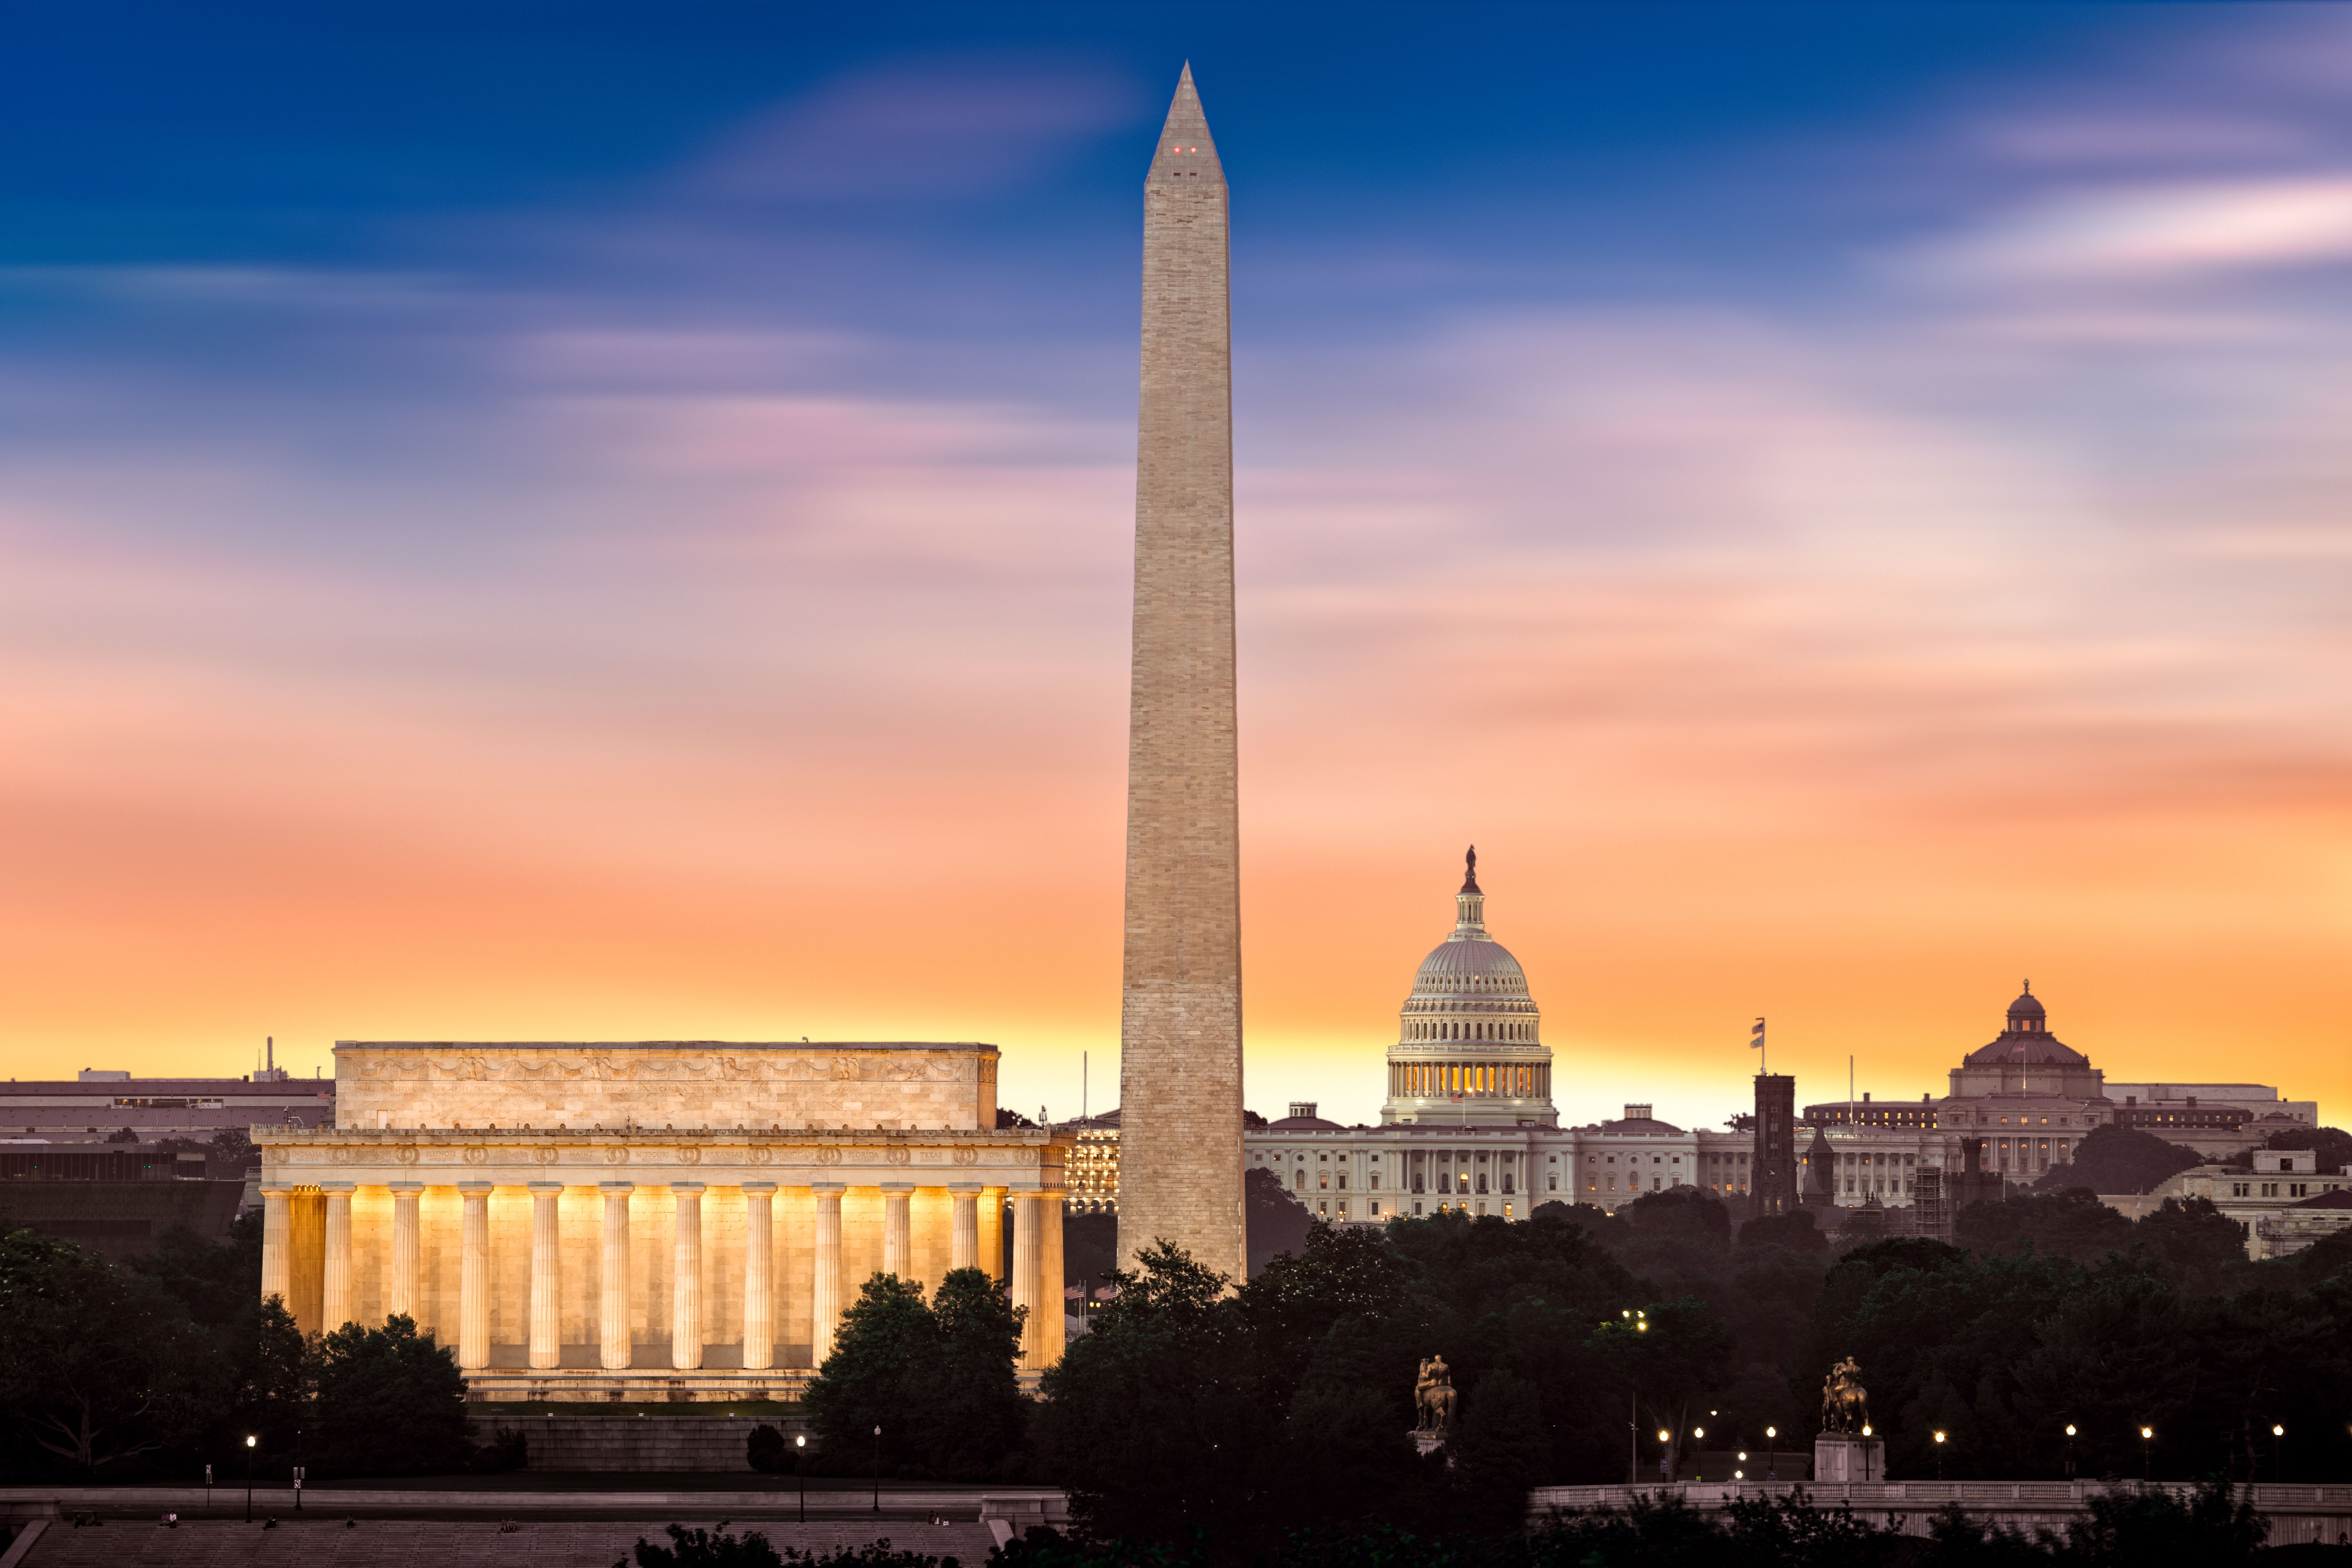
pixel 1469 1124
pixel 2032 1098
pixel 1092 1174
pixel 2281 1205
pixel 97 1105
pixel 115 1199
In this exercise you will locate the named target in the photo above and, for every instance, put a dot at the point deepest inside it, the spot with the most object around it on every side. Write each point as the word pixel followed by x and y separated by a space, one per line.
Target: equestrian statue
pixel 1845 1404
pixel 1434 1398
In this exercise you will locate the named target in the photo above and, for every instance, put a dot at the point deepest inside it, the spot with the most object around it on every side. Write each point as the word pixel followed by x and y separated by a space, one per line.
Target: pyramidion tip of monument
pixel 1185 151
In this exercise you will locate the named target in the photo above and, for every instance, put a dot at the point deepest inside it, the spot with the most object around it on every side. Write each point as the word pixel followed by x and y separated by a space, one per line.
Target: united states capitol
pixel 1469 1124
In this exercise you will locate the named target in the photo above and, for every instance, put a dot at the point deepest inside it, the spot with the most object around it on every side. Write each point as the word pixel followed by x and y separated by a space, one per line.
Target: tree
pixel 2127 1527
pixel 887 1334
pixel 124 1135
pixel 937 1377
pixel 1007 1118
pixel 214 1282
pixel 2072 1223
pixel 1693 1214
pixel 2112 1159
pixel 2197 1247
pixel 96 1366
pixel 1155 1421
pixel 694 1547
pixel 1795 1230
pixel 230 1155
pixel 971 1404
pixel 1497 1462
pixel 390 1402
pixel 2332 1145
pixel 1272 1222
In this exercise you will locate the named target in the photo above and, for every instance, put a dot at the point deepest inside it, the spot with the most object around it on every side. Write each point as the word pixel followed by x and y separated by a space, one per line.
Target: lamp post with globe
pixel 2070 1450
pixel 1771 1467
pixel 249 1442
pixel 2278 1453
pixel 2146 1454
pixel 800 1464
pixel 1939 1456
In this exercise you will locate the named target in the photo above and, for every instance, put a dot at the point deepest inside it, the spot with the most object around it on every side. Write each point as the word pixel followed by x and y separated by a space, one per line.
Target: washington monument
pixel 1181 1011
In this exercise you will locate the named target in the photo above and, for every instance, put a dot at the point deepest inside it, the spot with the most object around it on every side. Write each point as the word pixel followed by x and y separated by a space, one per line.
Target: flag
pixel 1756 1034
pixel 1074 1293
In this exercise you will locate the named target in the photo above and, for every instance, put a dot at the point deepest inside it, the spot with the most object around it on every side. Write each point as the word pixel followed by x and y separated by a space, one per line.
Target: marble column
pixel 546 1275
pixel 686 1280
pixel 1051 1304
pixel 335 1296
pixel 1025 1260
pixel 613 1282
pixel 400 1285
pixel 825 1288
pixel 897 1231
pixel 963 1249
pixel 758 1276
pixel 474 1278
pixel 335 1280
pixel 278 1246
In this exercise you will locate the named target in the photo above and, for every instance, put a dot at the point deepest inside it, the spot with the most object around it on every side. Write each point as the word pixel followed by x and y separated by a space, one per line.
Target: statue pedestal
pixel 1428 1443
pixel 1842 1458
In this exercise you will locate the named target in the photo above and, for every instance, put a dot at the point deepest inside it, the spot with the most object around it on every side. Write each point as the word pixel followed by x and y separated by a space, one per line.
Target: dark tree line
pixel 156 1369
pixel 1201 1415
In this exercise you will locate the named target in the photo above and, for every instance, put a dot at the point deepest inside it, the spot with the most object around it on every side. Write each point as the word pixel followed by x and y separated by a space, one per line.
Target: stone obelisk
pixel 1180 1014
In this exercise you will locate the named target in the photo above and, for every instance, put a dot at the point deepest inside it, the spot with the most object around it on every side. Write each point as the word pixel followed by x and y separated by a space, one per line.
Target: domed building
pixel 1468 1125
pixel 1469 1044
pixel 2027 1059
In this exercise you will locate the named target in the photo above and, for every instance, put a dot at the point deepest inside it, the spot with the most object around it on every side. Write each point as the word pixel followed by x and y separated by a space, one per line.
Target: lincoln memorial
pixel 680 1220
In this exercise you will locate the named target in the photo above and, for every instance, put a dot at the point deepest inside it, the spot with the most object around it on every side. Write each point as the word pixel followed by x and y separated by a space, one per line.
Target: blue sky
pixel 506 511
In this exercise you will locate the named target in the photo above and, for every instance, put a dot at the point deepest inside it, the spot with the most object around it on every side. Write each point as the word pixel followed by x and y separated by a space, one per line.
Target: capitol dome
pixel 1469 1044
pixel 1467 959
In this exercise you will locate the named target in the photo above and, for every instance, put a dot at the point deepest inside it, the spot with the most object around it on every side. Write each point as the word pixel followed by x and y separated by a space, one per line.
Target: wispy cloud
pixel 2156 234
pixel 941 131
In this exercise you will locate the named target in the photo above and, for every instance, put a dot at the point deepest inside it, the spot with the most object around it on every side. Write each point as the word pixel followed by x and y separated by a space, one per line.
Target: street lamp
pixel 2070 1450
pixel 877 1468
pixel 1771 1470
pixel 249 1442
pixel 1665 1453
pixel 1939 1456
pixel 2147 1453
pixel 800 1463
pixel 2278 1461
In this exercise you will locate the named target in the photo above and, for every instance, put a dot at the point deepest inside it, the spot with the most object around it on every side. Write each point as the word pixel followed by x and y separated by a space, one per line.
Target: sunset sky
pixel 613 521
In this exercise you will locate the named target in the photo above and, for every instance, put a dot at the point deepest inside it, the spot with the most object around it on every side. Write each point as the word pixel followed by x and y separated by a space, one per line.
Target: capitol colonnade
pixel 623 1262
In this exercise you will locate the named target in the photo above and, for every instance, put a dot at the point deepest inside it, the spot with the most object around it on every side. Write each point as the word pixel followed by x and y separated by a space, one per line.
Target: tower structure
pixel 1469 1046
pixel 1773 1188
pixel 1180 1007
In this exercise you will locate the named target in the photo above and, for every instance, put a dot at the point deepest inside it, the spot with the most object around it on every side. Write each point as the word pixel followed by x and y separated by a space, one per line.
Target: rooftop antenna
pixel 1082 1086
pixel 269 1044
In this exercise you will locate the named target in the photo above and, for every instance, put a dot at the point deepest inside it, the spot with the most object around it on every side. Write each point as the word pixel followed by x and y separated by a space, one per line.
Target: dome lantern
pixel 2026 1015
